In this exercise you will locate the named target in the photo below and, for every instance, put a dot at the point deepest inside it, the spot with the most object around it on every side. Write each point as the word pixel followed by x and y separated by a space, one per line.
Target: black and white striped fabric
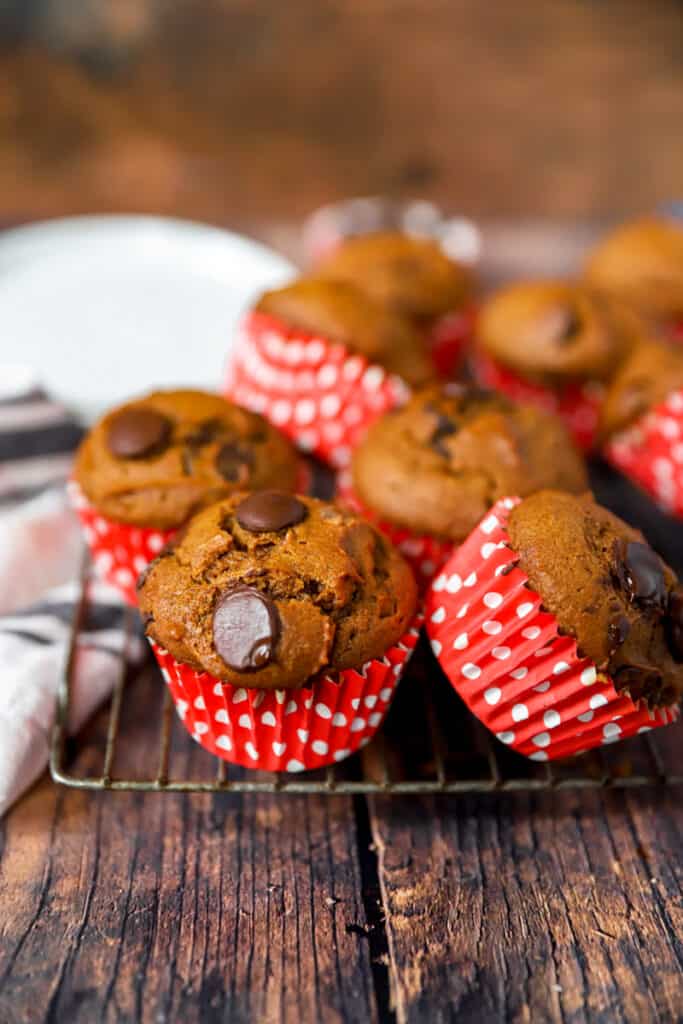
pixel 40 555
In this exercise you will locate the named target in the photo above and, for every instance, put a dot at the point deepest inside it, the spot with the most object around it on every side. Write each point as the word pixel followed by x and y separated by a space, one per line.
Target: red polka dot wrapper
pixel 505 657
pixel 577 403
pixel 317 393
pixel 424 554
pixel 287 730
pixel 650 453
pixel 119 551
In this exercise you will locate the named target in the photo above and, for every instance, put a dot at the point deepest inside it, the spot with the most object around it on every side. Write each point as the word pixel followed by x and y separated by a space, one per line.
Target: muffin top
pixel 268 590
pixel 441 461
pixel 345 314
pixel 607 588
pixel 552 331
pixel 641 263
pixel 413 276
pixel 157 460
pixel 648 374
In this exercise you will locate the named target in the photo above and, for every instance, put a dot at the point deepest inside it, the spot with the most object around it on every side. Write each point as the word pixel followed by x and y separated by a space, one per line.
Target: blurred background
pixel 252 112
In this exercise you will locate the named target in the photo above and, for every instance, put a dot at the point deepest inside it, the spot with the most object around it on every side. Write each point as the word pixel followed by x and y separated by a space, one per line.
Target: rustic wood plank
pixel 550 907
pixel 142 907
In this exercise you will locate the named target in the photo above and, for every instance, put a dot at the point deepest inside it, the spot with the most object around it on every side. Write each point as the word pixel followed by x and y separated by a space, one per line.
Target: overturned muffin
pixel 652 370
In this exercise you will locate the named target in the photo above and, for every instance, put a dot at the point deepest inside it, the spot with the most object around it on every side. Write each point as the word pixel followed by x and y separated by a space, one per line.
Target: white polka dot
pixel 489 524
pixel 543 687
pixel 519 713
pixel 492 627
pixel 244 721
pixel 181 707
pixel 675 401
pixel 102 527
pixel 461 641
pixel 506 737
pixel 358 724
pixel 278 748
pixel 315 350
pixel 222 716
pixel 352 368
pixel 140 563
pixel 339 755
pixel 268 718
pixel 493 599
pixel 492 695
pixel 340 456
pixel 155 542
pixel 586 716
pixel 295 766
pixel 598 700
pixel 200 704
pixel 677 452
pixel 541 739
pixel 200 728
pixel 488 549
pixel 501 653
pixel 669 427
pixel 524 609
pixel 462 612
pixel 589 676
pixel 453 583
pixel 239 695
pixel 355 703
pixel 279 696
pixel 124 577
pixel 104 561
pixel 224 742
pixel 611 732
pixel 470 580
pixel 352 414
pixel 375 718
pixel 327 375
pixel 540 755
pixel 436 647
pixel 307 440
pixel 370 701
pixel 439 615
pixel 319 747
pixel 373 378
pixel 323 711
pixel 519 673
pixel 662 467
pixel 281 411
pixel 500 569
pixel 645 728
pixel 439 583
pixel 531 632
pixel 471 671
pixel 291 707
pixel 560 667
pixel 303 735
pixel 551 719
pixel 385 693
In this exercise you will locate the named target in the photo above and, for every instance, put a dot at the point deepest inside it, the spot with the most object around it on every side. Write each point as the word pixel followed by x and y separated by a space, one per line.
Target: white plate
pixel 104 308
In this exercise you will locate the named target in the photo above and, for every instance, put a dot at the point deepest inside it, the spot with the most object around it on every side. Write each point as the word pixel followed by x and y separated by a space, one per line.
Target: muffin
pixel 148 465
pixel 559 626
pixel 429 471
pixel 286 605
pixel 641 264
pixel 554 343
pixel 642 421
pixel 415 278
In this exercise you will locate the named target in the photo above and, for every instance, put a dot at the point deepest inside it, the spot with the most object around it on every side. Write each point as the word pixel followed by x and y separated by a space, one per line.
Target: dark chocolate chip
pixel 674 623
pixel 617 632
pixel 445 426
pixel 266 511
pixel 233 461
pixel 205 432
pixel 640 574
pixel 246 627
pixel 135 433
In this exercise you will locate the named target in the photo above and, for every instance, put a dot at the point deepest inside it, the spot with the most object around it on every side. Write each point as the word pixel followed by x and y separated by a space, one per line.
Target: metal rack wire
pixel 446 751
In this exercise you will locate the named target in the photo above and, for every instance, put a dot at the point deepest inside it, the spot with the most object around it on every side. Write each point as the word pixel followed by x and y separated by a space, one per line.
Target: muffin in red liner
pixel 506 658
pixel 287 730
pixel 424 554
pixel 577 403
pixel 650 453
pixel 319 394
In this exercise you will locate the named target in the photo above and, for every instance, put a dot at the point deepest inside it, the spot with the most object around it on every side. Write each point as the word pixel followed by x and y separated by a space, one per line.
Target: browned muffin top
pixel 641 263
pixel 555 330
pixel 157 460
pixel 648 374
pixel 607 588
pixel 345 314
pixel 411 275
pixel 436 465
pixel 268 590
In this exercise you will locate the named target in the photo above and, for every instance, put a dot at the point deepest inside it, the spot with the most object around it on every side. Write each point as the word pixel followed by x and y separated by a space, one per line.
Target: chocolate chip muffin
pixel 268 590
pixel 436 465
pixel 155 461
pixel 607 588
pixel 343 313
pixel 555 331
pixel 650 372
pixel 641 263
pixel 412 276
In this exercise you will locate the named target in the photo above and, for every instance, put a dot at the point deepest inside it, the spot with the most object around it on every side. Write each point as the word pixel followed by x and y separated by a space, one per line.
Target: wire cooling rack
pixel 429 744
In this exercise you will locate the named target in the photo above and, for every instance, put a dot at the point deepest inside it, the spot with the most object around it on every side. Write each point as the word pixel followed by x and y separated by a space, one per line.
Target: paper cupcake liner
pixel 119 551
pixel 505 657
pixel 449 340
pixel 650 453
pixel 577 403
pixel 317 393
pixel 424 554
pixel 287 730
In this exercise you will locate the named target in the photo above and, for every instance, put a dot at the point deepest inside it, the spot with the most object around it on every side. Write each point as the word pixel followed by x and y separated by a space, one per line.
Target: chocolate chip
pixel 204 433
pixel 246 627
pixel 445 426
pixel 233 461
pixel 266 511
pixel 640 574
pixel 617 632
pixel 674 623
pixel 135 433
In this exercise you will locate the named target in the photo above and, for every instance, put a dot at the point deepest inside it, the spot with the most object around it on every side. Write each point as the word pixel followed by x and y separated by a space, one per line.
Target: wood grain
pixel 553 907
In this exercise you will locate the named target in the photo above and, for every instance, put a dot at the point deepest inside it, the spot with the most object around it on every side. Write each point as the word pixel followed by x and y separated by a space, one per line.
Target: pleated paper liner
pixel 287 730
pixel 424 554
pixel 576 403
pixel 318 393
pixel 505 657
pixel 650 453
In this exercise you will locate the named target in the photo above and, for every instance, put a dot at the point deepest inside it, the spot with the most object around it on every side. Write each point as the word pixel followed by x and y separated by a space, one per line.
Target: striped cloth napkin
pixel 40 557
